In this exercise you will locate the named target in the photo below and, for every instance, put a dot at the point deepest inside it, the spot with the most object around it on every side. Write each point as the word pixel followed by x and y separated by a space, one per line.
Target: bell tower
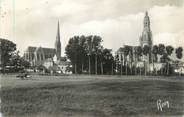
pixel 58 43
pixel 146 37
pixel 146 22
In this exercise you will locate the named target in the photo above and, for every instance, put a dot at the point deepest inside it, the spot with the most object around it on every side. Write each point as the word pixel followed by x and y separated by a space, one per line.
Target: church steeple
pixel 146 21
pixel 146 37
pixel 58 32
pixel 58 43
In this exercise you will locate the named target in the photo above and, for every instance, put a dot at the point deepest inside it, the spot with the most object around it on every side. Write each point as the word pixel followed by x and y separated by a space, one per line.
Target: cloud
pixel 117 22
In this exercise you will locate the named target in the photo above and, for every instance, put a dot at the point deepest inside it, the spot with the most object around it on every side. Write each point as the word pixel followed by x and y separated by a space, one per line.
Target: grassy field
pixel 91 96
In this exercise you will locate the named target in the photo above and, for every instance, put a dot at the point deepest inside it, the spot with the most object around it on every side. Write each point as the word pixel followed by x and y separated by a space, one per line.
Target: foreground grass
pixel 92 98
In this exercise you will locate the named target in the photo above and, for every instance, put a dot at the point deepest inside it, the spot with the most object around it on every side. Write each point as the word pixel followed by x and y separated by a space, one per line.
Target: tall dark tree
pixel 154 56
pixel 7 49
pixel 169 51
pixel 139 51
pixel 161 52
pixel 179 53
pixel 161 49
pixel 108 61
pixel 101 59
pixel 84 51
pixel 146 52
pixel 83 46
pixel 135 59
pixel 117 60
pixel 155 53
pixel 131 58
pixel 96 48
pixel 126 53
pixel 89 51
pixel 74 51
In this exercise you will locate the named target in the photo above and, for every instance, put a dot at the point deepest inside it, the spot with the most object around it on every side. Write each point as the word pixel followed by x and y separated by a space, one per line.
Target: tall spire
pixel 58 43
pixel 58 32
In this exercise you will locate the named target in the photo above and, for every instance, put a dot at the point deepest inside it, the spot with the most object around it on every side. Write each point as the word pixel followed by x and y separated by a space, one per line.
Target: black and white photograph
pixel 91 58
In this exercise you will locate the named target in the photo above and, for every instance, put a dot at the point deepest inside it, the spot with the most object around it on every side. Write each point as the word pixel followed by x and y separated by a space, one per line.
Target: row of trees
pixel 147 55
pixel 87 55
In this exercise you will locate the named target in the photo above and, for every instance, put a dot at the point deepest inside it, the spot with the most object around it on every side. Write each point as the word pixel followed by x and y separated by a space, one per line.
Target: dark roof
pixel 45 50
pixel 30 49
pixel 49 50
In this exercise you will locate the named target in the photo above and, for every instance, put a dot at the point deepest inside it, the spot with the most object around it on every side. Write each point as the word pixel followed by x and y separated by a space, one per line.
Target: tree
pixel 119 59
pixel 126 53
pixel 82 43
pixel 100 56
pixel 94 51
pixel 155 52
pixel 179 53
pixel 146 51
pixel 108 61
pixel 169 51
pixel 139 51
pixel 139 54
pixel 161 52
pixel 135 59
pixel 82 51
pixel 161 49
pixel 96 47
pixel 75 51
pixel 154 57
pixel 18 62
pixel 131 58
pixel 7 48
pixel 117 62
pixel 89 51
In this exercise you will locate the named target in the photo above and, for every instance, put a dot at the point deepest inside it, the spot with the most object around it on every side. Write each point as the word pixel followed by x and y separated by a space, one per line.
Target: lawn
pixel 91 96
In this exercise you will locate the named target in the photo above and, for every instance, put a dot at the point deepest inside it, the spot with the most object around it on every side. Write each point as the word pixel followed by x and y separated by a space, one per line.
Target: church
pixel 47 57
pixel 144 39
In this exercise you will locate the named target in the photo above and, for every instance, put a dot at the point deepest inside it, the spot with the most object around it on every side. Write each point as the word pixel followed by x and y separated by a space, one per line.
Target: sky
pixel 118 22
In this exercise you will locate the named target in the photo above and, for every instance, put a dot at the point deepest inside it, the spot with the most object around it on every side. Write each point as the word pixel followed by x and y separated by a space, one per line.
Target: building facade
pixel 39 55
